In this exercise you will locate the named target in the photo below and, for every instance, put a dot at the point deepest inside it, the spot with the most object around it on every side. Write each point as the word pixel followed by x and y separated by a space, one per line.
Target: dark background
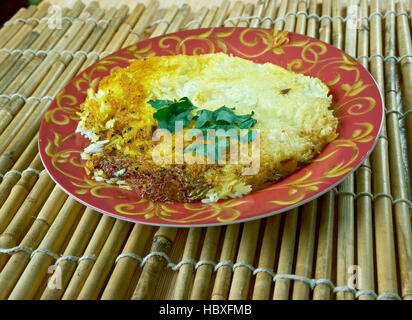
pixel 9 7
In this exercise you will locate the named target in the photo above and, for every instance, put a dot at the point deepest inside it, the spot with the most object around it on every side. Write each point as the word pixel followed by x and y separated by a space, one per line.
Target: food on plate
pixel 205 127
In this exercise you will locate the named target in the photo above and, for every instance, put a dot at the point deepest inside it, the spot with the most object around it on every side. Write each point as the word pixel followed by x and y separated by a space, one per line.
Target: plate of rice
pixel 211 126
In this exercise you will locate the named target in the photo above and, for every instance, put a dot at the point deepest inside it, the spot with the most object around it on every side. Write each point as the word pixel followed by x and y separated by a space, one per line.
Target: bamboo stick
pixel 270 13
pixel 247 12
pixel 21 164
pixel 325 24
pixel 313 24
pixel 346 237
pixel 105 40
pixel 234 13
pixel 209 17
pixel 324 256
pixel 19 260
pixel 326 237
pixel 201 16
pixel 162 242
pixel 279 25
pixel 162 26
pixel 84 267
pixel 405 48
pixel 221 14
pixel 74 64
pixel 224 273
pixel 201 284
pixel 398 181
pixel 137 33
pixel 167 280
pixel 286 255
pixel 12 234
pixel 185 274
pixel 180 18
pixel 346 210
pixel 264 280
pixel 13 56
pixel 90 35
pixel 364 220
pixel 241 276
pixel 90 44
pixel 291 19
pixel 111 31
pixel 304 260
pixel 337 29
pixel 76 246
pixel 301 18
pixel 281 287
pixel 125 29
pixel 384 237
pixel 19 193
pixel 27 285
pixel 119 281
pixel 101 268
pixel 258 12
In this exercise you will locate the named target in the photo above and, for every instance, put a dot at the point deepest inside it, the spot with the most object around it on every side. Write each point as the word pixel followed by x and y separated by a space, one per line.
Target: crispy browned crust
pixel 176 183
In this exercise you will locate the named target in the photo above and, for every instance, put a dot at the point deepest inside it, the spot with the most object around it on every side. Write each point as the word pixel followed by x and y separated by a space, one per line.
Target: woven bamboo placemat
pixel 355 242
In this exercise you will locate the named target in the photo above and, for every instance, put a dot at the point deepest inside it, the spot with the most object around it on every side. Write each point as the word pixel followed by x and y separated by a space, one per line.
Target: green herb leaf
pixel 203 118
pixel 174 111
pixel 157 104
pixel 168 112
pixel 247 123
pixel 224 115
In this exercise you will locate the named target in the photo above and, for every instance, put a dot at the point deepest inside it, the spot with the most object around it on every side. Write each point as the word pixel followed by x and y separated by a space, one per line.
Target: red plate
pixel 356 100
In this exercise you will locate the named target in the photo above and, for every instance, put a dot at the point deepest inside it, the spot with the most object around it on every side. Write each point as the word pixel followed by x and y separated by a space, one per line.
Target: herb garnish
pixel 168 112
pixel 223 118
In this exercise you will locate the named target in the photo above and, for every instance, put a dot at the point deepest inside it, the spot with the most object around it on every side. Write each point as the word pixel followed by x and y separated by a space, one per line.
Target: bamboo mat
pixel 355 242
